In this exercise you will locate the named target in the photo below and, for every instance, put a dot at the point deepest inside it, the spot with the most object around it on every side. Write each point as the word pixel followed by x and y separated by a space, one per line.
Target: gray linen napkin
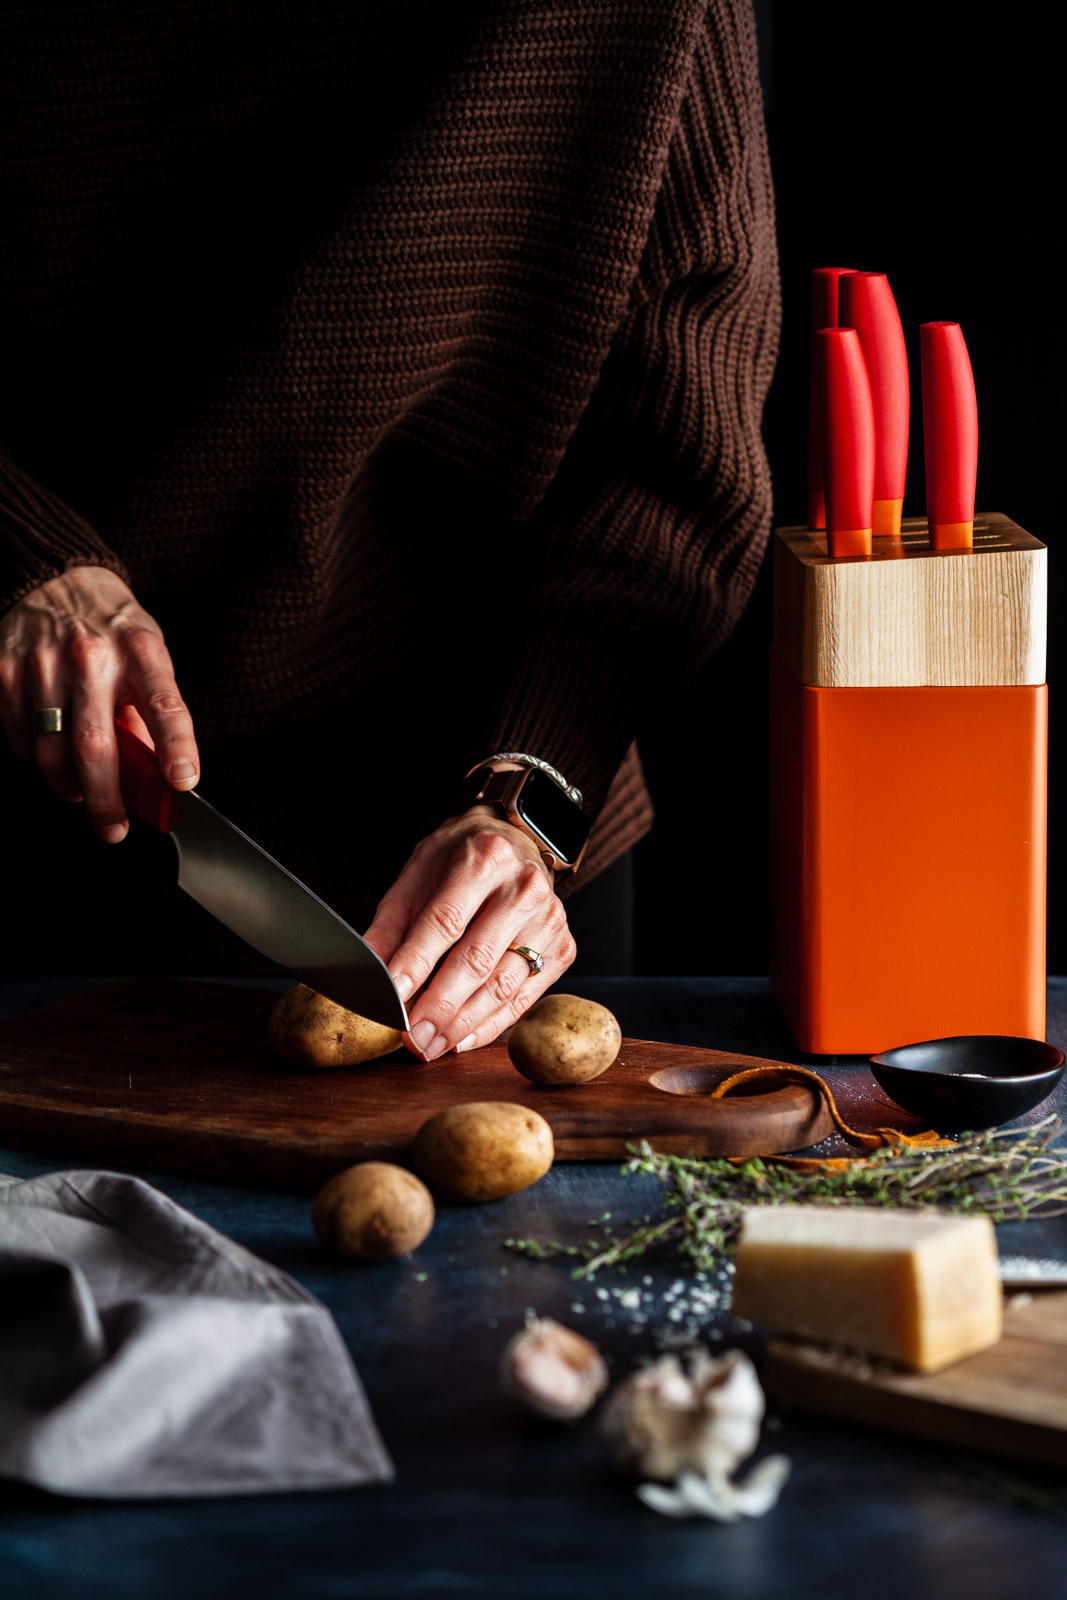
pixel 143 1354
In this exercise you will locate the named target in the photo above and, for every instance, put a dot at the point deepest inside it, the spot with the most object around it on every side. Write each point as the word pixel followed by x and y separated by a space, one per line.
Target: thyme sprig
pixel 1008 1174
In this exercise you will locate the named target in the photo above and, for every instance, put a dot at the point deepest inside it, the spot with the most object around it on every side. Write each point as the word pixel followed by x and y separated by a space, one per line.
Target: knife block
pixel 908 788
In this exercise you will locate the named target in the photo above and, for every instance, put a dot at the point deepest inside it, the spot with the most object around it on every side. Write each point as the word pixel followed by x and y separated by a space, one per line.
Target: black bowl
pixel 932 1080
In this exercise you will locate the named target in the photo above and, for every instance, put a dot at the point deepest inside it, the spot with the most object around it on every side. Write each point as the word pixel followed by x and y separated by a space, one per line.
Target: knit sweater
pixel 407 361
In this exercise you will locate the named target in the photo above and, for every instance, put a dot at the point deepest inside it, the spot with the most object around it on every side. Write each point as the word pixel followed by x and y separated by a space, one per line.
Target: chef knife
pixel 848 441
pixel 240 884
pixel 950 435
pixel 866 303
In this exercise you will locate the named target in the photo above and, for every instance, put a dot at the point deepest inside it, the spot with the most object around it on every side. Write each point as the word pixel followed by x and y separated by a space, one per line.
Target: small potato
pixel 483 1150
pixel 373 1211
pixel 562 1040
pixel 311 1031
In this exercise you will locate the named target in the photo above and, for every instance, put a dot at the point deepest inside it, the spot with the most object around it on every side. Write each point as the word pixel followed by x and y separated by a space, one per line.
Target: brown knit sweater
pixel 407 360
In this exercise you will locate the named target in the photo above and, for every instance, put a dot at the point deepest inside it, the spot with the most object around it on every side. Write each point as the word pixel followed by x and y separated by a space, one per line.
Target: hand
pixel 82 642
pixel 474 887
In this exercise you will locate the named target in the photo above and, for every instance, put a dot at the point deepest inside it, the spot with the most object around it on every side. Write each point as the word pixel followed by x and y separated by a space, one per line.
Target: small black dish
pixel 932 1080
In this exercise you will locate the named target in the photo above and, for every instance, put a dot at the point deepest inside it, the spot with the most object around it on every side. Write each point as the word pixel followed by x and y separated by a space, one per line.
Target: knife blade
pixel 228 874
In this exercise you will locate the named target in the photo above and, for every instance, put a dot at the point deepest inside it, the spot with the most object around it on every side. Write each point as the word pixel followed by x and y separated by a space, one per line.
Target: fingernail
pixel 403 985
pixel 182 772
pixel 465 1044
pixel 437 1048
pixel 116 832
pixel 421 1034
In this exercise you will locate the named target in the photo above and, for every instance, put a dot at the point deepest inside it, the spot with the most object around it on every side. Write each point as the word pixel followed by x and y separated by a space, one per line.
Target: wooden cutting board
pixel 179 1076
pixel 1010 1400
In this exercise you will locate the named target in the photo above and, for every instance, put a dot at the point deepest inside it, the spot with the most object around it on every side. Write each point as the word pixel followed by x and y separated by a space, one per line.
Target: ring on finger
pixel 534 957
pixel 49 719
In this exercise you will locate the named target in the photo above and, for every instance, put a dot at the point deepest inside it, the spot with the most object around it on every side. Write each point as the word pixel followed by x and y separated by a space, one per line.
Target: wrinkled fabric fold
pixel 144 1354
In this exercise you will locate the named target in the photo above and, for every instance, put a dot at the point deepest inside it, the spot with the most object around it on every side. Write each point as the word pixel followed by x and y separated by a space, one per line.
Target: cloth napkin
pixel 144 1354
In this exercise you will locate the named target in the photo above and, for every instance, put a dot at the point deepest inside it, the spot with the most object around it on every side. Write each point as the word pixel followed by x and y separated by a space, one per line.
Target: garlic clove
pixel 553 1370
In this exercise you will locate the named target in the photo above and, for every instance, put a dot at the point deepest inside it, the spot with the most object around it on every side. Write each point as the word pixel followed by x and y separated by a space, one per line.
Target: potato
pixel 373 1211
pixel 483 1150
pixel 562 1039
pixel 311 1031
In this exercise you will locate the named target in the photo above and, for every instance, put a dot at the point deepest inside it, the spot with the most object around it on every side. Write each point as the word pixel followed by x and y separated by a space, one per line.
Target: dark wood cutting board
pixel 179 1076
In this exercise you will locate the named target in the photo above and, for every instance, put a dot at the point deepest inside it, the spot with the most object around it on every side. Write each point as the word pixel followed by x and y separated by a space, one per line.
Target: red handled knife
pixel 825 282
pixel 950 435
pixel 848 441
pixel 866 303
pixel 245 888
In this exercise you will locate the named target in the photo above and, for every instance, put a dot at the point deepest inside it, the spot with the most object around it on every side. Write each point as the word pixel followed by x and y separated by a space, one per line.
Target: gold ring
pixel 51 719
pixel 537 962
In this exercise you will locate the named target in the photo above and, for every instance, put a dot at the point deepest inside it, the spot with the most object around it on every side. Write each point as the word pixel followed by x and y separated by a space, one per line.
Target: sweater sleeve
pixel 650 539
pixel 40 537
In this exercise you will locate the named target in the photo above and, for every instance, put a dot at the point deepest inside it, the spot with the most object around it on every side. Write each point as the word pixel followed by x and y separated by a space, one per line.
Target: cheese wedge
pixel 916 1286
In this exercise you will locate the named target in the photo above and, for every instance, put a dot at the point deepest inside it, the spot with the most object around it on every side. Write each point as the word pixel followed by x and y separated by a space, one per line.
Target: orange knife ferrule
pixel 887 518
pixel 848 542
pixel 952 535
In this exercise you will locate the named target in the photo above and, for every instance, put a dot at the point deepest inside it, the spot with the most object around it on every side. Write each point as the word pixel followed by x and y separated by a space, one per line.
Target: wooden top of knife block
pixel 909 615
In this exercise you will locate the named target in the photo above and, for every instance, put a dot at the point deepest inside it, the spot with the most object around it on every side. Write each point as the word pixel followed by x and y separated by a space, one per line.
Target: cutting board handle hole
pixel 696 1081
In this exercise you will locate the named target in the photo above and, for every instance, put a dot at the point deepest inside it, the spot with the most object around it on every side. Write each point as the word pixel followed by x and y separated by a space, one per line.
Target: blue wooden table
pixel 490 1503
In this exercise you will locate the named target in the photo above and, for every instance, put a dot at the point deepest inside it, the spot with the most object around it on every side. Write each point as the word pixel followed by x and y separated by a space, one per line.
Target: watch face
pixel 553 815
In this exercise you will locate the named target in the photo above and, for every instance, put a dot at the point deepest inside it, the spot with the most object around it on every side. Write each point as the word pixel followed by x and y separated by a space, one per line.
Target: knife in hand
pixel 245 888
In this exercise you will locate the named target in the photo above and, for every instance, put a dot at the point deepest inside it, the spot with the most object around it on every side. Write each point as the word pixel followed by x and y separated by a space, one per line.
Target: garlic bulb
pixel 695 1428
pixel 553 1370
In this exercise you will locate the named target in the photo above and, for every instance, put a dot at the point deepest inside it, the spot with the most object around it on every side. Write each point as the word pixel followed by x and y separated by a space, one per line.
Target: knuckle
pixel 145 648
pixel 165 702
pixel 91 741
pixel 446 919
pixel 9 673
pixel 505 983
pixel 479 959
pixel 568 949
pixel 489 851
pixel 531 884
pixel 86 653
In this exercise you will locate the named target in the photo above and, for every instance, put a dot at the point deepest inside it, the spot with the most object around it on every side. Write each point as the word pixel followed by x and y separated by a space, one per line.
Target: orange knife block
pixel 908 789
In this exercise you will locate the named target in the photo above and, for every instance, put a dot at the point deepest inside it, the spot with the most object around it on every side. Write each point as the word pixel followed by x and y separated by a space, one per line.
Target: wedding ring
pixel 51 719
pixel 537 962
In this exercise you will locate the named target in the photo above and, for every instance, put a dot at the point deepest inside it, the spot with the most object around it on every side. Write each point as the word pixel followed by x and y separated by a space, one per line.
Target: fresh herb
pixel 1006 1174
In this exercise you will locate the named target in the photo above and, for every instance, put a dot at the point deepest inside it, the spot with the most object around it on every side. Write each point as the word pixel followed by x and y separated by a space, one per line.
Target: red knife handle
pixel 867 304
pixel 950 435
pixel 147 793
pixel 824 298
pixel 848 441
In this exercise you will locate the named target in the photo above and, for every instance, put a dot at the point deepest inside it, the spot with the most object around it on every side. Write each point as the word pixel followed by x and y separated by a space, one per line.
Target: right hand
pixel 82 642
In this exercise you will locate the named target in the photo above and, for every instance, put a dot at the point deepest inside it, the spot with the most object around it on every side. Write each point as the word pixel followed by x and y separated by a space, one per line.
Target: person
pixel 382 404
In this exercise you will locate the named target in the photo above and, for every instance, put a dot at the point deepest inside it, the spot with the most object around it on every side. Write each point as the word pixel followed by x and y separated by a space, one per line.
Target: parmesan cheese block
pixel 916 1286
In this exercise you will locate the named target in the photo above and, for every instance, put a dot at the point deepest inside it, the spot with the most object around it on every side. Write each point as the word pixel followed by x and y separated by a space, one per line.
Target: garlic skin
pixel 694 1429
pixel 553 1370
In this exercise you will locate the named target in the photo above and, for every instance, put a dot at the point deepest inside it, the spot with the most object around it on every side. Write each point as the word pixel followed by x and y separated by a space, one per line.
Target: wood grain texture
pixel 179 1076
pixel 1010 1400
pixel 909 615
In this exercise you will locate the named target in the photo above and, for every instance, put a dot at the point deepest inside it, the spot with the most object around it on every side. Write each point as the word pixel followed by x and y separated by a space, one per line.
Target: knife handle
pixel 147 794
pixel 848 441
pixel 950 432
pixel 866 303
pixel 825 289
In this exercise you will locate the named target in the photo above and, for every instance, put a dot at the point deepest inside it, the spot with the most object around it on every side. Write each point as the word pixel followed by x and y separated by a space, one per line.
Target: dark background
pixel 928 150
pixel 912 142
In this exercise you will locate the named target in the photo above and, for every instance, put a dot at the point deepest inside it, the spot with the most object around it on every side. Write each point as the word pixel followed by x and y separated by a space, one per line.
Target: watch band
pixel 533 761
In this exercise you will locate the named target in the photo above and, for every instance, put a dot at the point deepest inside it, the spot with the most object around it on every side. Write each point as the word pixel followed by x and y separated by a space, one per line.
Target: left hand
pixel 475 886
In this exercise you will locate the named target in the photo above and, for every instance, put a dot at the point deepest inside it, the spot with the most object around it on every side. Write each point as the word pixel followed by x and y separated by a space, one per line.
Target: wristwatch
pixel 536 804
